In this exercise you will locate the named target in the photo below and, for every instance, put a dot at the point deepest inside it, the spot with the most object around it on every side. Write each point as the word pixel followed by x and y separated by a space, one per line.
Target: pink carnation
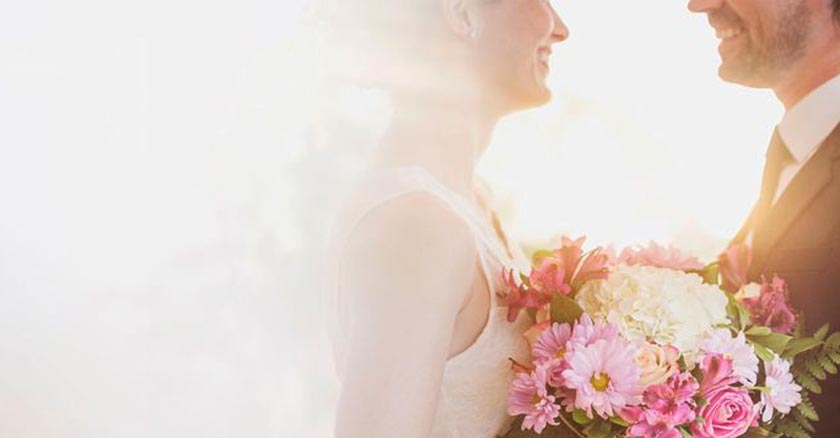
pixel 771 308
pixel 528 396
pixel 604 376
pixel 660 257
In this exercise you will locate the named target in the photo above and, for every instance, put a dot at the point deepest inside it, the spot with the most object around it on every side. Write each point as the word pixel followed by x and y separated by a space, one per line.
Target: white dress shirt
pixel 806 125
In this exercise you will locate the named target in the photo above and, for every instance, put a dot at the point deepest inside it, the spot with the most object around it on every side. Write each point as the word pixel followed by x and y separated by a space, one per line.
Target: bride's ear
pixel 457 16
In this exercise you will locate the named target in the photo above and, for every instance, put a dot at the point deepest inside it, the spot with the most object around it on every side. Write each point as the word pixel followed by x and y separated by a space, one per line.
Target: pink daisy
pixel 782 392
pixel 551 344
pixel 604 376
pixel 528 396
pixel 550 349
pixel 586 332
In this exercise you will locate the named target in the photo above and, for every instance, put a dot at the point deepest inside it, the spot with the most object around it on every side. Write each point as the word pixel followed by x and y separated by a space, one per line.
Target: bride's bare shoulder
pixel 414 241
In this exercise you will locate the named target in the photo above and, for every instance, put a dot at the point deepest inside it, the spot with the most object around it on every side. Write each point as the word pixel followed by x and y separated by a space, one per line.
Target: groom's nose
pixel 704 5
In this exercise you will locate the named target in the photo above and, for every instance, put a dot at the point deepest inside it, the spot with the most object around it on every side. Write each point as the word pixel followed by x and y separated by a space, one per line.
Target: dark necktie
pixel 777 158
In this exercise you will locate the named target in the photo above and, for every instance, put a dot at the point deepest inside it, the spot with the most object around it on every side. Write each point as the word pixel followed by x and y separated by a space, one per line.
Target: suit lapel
pixel 808 183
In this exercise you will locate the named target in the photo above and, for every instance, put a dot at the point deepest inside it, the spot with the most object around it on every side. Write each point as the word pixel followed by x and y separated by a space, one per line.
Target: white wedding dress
pixel 473 396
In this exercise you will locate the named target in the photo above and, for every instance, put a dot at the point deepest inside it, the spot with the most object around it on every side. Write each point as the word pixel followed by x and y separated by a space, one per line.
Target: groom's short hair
pixel 836 4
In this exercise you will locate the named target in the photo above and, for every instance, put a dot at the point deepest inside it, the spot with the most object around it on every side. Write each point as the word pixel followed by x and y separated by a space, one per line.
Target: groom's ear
pixel 457 16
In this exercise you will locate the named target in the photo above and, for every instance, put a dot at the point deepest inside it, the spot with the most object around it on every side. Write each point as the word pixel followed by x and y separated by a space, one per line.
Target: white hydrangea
pixel 655 304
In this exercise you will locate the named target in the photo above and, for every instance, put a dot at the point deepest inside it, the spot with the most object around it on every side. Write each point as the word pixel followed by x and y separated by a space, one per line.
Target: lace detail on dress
pixel 473 394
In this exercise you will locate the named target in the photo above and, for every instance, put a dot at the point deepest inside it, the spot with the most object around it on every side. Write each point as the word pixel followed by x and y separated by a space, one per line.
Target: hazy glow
pixel 643 140
pixel 163 172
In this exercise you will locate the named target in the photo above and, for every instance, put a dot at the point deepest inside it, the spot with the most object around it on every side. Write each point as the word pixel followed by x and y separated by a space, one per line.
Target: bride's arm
pixel 407 270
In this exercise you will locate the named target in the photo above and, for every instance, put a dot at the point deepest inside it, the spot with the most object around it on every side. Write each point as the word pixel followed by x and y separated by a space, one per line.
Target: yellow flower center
pixel 600 382
pixel 535 400
pixel 560 353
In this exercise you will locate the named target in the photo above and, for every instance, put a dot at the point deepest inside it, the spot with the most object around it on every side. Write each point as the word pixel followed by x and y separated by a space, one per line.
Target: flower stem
pixel 570 426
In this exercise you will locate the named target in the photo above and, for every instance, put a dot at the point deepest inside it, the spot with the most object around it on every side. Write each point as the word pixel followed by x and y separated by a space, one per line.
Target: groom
pixel 793 48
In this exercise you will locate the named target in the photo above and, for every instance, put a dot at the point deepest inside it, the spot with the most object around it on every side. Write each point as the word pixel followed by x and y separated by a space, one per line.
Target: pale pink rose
pixel 728 414
pixel 729 411
pixel 771 307
pixel 656 363
pixel 528 396
pixel 660 257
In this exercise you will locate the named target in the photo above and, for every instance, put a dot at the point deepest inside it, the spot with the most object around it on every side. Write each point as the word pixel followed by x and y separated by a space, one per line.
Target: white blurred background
pixel 164 176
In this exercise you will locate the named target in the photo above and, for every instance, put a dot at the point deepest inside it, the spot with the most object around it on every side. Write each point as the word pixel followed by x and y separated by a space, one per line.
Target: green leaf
pixel 756 432
pixel 758 330
pixel 801 345
pixel 619 421
pixel 580 417
pixel 541 254
pixel 709 273
pixel 826 364
pixel 803 421
pixel 564 309
pixel 763 352
pixel 599 429
pixel 776 342
pixel 833 340
pixel 809 383
pixel 685 433
pixel 806 408
pixel 560 431
pixel 821 332
pixel 736 312
pixel 816 370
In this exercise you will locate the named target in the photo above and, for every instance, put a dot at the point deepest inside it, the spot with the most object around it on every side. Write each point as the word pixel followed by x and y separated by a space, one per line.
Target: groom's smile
pixel 759 39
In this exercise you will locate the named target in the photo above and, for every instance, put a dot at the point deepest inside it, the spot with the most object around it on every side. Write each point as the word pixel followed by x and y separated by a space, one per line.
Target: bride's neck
pixel 445 139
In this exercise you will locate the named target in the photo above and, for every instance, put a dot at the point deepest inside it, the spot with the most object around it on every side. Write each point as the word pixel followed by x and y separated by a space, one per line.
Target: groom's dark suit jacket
pixel 799 239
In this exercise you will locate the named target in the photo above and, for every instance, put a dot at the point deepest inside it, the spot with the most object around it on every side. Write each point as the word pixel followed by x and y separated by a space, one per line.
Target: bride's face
pixel 514 39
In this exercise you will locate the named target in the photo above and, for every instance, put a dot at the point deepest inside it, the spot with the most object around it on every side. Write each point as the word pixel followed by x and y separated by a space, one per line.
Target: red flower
pixel 518 296
pixel 568 265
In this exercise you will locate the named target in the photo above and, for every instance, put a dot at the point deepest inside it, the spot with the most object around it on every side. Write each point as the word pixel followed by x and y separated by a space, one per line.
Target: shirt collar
pixel 805 125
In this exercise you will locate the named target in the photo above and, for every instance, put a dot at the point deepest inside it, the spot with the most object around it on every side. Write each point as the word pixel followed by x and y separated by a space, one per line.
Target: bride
pixel 421 346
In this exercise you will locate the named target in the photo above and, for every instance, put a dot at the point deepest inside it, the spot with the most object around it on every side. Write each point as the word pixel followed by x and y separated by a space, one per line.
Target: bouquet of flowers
pixel 655 344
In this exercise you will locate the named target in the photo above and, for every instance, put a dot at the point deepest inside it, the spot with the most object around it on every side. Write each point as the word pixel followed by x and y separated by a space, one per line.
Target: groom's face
pixel 759 39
